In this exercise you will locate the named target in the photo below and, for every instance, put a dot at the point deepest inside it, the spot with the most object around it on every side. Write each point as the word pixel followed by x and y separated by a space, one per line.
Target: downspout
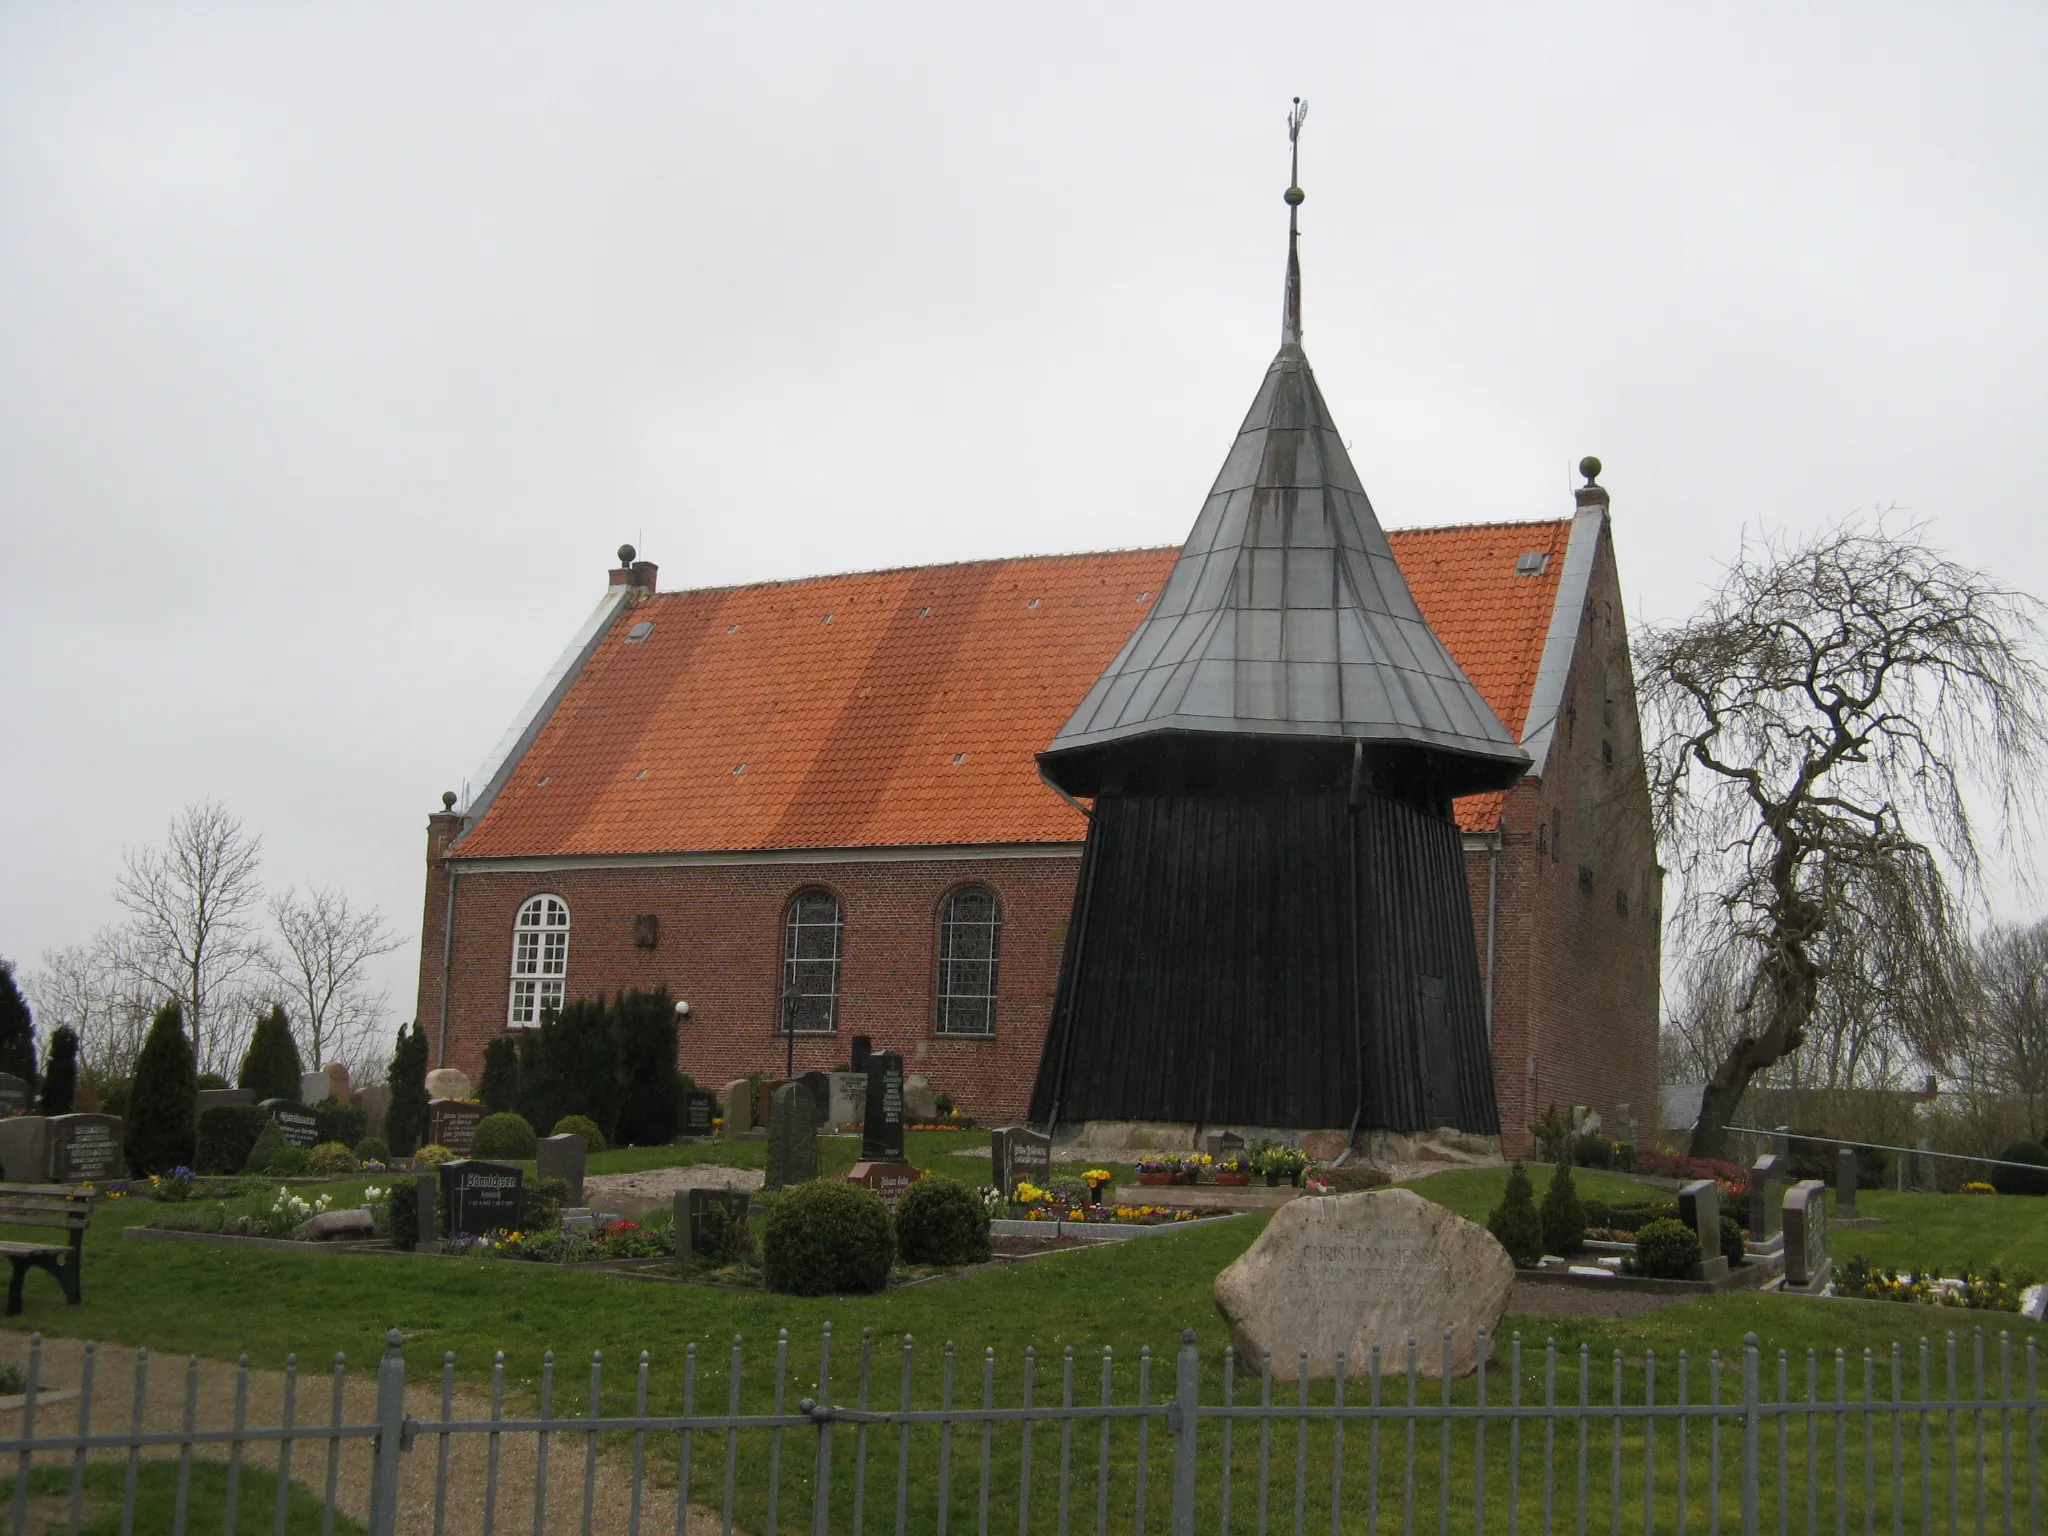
pixel 447 962
pixel 1357 996
pixel 1500 832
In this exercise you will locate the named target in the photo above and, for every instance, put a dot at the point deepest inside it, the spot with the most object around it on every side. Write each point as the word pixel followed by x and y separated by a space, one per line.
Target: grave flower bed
pixel 1990 1291
pixel 1732 1178
pixel 1066 1203
pixel 615 1240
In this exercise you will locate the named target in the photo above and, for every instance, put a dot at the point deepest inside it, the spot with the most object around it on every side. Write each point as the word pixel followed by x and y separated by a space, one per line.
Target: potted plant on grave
pixel 1158 1170
pixel 1279 1164
pixel 1192 1165
pixel 1235 1170
pixel 1097 1179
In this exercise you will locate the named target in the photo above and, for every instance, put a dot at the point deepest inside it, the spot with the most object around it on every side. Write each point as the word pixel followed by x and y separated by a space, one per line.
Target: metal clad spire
pixel 1290 315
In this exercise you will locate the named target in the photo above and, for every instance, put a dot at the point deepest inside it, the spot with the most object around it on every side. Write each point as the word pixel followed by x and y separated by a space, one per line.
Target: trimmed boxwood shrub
pixel 1666 1250
pixel 332 1157
pixel 1563 1215
pixel 2022 1181
pixel 405 1214
pixel 580 1125
pixel 504 1136
pixel 336 1121
pixel 1734 1241
pixel 1515 1223
pixel 163 1110
pixel 827 1237
pixel 941 1221
pixel 371 1149
pixel 290 1163
pixel 432 1155
pixel 1631 1216
pixel 541 1209
pixel 227 1134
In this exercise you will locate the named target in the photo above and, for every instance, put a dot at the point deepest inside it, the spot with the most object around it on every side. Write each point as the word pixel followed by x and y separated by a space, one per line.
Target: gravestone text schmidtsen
pixel 480 1197
pixel 295 1123
pixel 1341 1273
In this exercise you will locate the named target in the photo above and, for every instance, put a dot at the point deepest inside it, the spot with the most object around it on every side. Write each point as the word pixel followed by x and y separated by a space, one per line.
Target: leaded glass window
pixel 810 963
pixel 970 941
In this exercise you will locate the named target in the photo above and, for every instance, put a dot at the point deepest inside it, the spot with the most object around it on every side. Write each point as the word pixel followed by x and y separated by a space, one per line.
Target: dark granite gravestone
pixel 1845 1181
pixel 792 1137
pixel 863 1048
pixel 1224 1145
pixel 881 1135
pixel 85 1149
pixel 481 1197
pixel 428 1186
pixel 1699 1207
pixel 452 1123
pixel 25 1149
pixel 819 1086
pixel 1807 1266
pixel 1766 1174
pixel 1019 1153
pixel 699 1110
pixel 16 1096
pixel 562 1157
pixel 295 1123
pixel 697 1209
pixel 224 1098
pixel 888 1180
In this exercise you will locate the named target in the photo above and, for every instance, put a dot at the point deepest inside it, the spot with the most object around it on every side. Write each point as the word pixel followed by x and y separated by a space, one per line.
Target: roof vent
pixel 1032 604
pixel 739 770
pixel 1533 562
pixel 826 620
pixel 640 775
pixel 1144 597
pixel 924 613
pixel 959 758
pixel 639 631
pixel 732 629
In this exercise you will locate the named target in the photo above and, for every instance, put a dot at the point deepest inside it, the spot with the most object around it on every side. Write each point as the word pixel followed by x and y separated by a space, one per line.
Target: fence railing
pixel 888 1441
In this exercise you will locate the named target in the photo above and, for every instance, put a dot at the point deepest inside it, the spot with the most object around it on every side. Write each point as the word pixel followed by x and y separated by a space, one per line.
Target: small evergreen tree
pixel 163 1108
pixel 573 1068
pixel 60 1082
pixel 1564 1216
pixel 644 1025
pixel 405 1121
pixel 1515 1223
pixel 17 1029
pixel 271 1066
pixel 500 1086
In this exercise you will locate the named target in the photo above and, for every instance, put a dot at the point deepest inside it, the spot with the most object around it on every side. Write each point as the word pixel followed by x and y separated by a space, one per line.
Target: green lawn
pixel 156 1498
pixel 1473 1192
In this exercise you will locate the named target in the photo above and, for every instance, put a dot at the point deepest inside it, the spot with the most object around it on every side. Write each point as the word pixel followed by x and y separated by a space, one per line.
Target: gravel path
pixel 113 1399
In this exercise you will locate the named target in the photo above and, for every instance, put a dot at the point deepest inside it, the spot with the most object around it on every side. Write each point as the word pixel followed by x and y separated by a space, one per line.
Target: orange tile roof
pixel 906 707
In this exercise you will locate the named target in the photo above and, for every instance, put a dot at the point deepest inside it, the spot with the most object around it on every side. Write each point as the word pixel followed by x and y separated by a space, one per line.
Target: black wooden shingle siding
pixel 1210 975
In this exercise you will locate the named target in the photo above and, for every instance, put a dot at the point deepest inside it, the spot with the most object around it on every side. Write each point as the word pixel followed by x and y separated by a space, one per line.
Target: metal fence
pixel 883 1440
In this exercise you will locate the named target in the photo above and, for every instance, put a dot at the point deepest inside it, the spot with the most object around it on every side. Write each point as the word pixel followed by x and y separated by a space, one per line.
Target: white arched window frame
pixel 970 948
pixel 540 960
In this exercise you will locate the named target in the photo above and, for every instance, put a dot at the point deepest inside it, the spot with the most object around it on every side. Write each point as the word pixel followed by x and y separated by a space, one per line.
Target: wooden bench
pixel 58 1207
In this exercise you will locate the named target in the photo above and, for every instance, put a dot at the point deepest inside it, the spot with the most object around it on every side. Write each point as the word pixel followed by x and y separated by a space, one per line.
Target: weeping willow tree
pixel 1812 731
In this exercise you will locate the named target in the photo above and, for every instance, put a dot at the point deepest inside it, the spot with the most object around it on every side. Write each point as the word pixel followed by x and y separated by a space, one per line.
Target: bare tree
pixel 2010 1046
pixel 325 946
pixel 98 990
pixel 1810 732
pixel 194 902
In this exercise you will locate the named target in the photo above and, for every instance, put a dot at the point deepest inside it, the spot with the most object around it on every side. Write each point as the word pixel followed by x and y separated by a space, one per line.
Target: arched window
pixel 540 960
pixel 810 963
pixel 970 941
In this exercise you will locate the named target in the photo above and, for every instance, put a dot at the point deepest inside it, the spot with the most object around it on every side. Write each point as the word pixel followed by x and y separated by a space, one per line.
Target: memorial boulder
pixel 1340 1274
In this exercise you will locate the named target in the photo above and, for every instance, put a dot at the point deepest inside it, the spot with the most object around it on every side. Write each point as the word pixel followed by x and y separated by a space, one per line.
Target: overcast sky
pixel 340 347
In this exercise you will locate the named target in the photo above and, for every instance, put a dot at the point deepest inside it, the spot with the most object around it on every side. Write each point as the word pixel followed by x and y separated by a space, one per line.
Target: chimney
pixel 636 574
pixel 1592 493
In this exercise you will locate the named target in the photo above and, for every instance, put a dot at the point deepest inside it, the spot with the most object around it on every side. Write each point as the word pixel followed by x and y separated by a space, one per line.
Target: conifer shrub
pixel 1734 1241
pixel 504 1136
pixel 499 1088
pixel 227 1135
pixel 271 1066
pixel 825 1238
pixel 268 1146
pixel 60 1078
pixel 541 1208
pixel 580 1125
pixel 1515 1222
pixel 405 1214
pixel 1563 1215
pixel 336 1121
pixel 290 1162
pixel 1666 1250
pixel 163 1111
pixel 405 1120
pixel 941 1221
pixel 17 1029
pixel 570 1066
pixel 644 1036
pixel 2022 1181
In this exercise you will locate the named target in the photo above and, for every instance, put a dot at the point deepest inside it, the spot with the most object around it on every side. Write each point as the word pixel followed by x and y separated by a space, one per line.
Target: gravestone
pixel 25 1149
pixel 847 1100
pixel 764 1102
pixel 1807 1266
pixel 562 1157
pixel 920 1102
pixel 85 1149
pixel 699 1110
pixel 1699 1207
pixel 889 1180
pixel 295 1123
pixel 696 1209
pixel 481 1197
pixel 337 1084
pixel 375 1103
pixel 819 1086
pixel 16 1096
pixel 447 1083
pixel 1845 1181
pixel 1223 1145
pixel 312 1087
pixel 224 1098
pixel 1019 1153
pixel 1781 1142
pixel 1765 1174
pixel 792 1137
pixel 1345 1272
pixel 863 1048
pixel 452 1123
pixel 881 1134
pixel 428 1186
pixel 739 1107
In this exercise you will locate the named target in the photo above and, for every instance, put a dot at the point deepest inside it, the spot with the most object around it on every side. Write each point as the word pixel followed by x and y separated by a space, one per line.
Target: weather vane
pixel 1290 317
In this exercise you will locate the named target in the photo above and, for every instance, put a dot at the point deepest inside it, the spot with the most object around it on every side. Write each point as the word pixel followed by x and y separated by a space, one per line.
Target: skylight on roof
pixel 1533 562
pixel 639 631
